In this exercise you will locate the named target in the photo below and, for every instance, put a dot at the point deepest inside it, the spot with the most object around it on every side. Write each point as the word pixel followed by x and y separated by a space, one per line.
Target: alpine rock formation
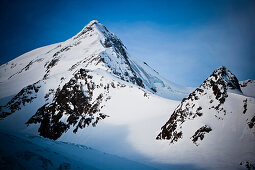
pixel 218 114
pixel 88 90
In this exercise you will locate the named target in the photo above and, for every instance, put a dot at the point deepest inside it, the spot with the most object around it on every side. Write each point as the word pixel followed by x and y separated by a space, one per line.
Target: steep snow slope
pixel 94 47
pixel 23 151
pixel 217 121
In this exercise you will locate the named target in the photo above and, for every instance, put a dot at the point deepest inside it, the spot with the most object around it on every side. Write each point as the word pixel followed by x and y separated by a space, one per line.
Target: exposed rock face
pixel 246 83
pixel 74 105
pixel 251 123
pixel 25 96
pixel 113 41
pixel 247 165
pixel 215 88
pixel 200 134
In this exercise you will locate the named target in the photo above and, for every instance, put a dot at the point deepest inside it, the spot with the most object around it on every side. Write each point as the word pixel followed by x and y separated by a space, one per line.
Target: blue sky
pixel 183 40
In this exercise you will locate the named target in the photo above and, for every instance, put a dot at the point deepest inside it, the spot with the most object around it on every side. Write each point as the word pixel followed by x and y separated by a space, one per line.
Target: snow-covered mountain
pixel 93 48
pixel 78 90
pixel 218 115
pixel 88 90
pixel 72 80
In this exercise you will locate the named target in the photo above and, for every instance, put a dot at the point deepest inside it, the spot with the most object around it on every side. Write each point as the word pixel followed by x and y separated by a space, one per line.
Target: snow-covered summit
pixel 215 114
pixel 93 22
pixel 223 76
pixel 93 48
pixel 95 26
pixel 211 95
pixel 69 83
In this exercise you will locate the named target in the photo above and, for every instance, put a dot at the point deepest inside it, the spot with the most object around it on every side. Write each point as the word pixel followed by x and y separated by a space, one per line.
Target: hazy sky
pixel 183 40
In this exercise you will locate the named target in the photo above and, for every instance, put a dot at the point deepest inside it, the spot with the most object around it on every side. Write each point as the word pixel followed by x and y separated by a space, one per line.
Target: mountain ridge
pixel 106 52
pixel 213 114
pixel 219 82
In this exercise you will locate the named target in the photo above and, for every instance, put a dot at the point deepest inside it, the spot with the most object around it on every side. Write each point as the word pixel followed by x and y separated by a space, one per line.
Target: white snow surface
pixel 25 151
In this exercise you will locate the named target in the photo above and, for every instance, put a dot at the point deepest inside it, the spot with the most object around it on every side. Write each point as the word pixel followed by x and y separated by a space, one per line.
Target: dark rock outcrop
pixel 216 89
pixel 25 96
pixel 71 106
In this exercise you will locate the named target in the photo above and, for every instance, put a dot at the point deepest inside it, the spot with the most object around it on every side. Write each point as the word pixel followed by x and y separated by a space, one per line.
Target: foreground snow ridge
pixel 89 91
pixel 24 151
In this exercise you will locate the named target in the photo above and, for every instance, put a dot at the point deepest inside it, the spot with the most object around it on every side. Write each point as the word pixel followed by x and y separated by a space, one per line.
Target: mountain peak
pixel 222 70
pixel 93 26
pixel 224 77
pixel 215 87
pixel 209 100
pixel 92 23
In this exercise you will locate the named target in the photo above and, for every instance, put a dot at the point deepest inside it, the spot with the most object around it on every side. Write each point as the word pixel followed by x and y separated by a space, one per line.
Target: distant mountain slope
pixel 19 151
pixel 248 87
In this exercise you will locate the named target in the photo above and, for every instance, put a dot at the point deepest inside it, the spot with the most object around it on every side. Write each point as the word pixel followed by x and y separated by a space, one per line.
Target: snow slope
pixel 134 117
pixel 24 151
